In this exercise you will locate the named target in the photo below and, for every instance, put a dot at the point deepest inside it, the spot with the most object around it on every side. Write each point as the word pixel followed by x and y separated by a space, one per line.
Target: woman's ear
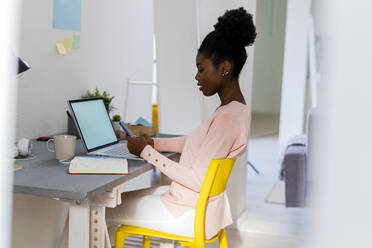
pixel 225 68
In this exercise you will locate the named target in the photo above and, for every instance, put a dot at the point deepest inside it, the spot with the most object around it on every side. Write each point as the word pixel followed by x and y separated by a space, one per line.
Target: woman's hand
pixel 149 140
pixel 136 145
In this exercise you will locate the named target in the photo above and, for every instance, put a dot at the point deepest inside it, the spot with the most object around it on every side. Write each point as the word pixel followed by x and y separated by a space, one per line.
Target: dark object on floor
pixel 299 164
pixel 295 176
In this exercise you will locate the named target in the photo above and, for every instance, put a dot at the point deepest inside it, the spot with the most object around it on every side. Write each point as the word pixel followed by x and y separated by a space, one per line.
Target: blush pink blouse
pixel 225 135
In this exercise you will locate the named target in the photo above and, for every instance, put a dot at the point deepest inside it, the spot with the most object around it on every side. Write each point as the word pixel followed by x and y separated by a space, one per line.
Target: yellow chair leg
pixel 223 239
pixel 199 244
pixel 146 242
pixel 120 239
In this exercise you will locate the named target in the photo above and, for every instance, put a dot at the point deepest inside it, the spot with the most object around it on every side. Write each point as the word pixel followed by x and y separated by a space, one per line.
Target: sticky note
pixel 60 47
pixel 67 14
pixel 68 44
pixel 76 42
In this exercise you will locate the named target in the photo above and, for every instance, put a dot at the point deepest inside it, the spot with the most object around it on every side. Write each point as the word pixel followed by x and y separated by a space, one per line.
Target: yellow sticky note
pixel 68 44
pixel 60 47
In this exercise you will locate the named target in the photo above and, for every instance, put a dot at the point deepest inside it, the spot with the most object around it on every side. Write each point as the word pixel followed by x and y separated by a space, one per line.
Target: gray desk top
pixel 45 176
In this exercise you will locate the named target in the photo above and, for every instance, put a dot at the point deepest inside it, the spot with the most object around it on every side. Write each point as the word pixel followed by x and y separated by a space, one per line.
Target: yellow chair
pixel 214 184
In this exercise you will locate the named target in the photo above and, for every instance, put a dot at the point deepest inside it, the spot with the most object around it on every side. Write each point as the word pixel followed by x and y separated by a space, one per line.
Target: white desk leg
pixel 166 243
pixel 99 234
pixel 78 235
pixel 97 226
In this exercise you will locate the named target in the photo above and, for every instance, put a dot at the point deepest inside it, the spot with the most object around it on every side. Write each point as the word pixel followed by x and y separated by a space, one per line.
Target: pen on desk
pixel 125 130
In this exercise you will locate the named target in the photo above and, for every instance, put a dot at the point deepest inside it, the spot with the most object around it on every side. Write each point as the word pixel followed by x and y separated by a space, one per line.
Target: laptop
pixel 95 128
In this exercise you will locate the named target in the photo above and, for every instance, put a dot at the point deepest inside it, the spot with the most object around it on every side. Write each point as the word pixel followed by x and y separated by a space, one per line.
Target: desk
pixel 86 195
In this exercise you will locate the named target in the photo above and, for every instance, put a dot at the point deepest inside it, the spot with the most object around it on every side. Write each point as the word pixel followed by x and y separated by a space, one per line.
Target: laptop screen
pixel 94 122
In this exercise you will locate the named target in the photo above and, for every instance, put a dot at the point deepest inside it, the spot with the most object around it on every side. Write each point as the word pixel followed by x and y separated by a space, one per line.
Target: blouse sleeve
pixel 169 144
pixel 221 134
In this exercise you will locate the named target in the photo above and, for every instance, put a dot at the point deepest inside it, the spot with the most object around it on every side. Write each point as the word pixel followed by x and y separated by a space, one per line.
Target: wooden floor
pixel 263 225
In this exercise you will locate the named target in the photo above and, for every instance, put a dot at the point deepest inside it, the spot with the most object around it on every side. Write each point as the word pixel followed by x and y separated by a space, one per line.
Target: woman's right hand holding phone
pixel 149 140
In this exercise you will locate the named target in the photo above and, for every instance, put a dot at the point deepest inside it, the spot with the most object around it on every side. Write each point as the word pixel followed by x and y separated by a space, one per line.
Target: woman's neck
pixel 231 92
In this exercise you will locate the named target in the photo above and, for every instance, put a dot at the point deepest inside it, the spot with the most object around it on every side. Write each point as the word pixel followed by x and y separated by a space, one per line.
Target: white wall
pixel 176 48
pixel 268 59
pixel 343 155
pixel 317 11
pixel 116 44
pixel 294 70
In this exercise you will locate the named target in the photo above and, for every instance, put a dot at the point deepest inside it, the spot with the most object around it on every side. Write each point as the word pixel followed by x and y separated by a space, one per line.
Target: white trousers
pixel 144 208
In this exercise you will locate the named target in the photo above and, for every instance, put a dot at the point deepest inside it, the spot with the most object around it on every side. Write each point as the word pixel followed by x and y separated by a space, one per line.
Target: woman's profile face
pixel 208 76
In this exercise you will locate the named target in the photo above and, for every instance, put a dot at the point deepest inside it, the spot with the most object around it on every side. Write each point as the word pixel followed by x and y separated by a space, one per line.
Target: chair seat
pixel 182 226
pixel 135 212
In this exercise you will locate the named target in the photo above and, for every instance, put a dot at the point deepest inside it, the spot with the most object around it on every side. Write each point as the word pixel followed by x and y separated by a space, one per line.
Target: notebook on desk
pixel 98 165
pixel 96 130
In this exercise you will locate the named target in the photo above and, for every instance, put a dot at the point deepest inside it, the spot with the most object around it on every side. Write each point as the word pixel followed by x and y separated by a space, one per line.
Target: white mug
pixel 64 146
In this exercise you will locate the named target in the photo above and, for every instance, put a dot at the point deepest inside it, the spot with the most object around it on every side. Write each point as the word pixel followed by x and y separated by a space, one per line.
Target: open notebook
pixel 98 165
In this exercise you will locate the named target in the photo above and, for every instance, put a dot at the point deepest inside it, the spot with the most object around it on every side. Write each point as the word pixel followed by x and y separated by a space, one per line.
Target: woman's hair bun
pixel 237 26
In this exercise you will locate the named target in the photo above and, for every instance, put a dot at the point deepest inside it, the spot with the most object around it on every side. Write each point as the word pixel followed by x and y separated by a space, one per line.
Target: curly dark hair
pixel 233 32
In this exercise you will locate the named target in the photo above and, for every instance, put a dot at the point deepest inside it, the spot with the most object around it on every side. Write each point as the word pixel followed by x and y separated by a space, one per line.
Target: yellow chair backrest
pixel 214 184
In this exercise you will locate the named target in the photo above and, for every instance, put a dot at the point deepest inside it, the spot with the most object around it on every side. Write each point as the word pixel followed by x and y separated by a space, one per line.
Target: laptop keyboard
pixel 118 151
